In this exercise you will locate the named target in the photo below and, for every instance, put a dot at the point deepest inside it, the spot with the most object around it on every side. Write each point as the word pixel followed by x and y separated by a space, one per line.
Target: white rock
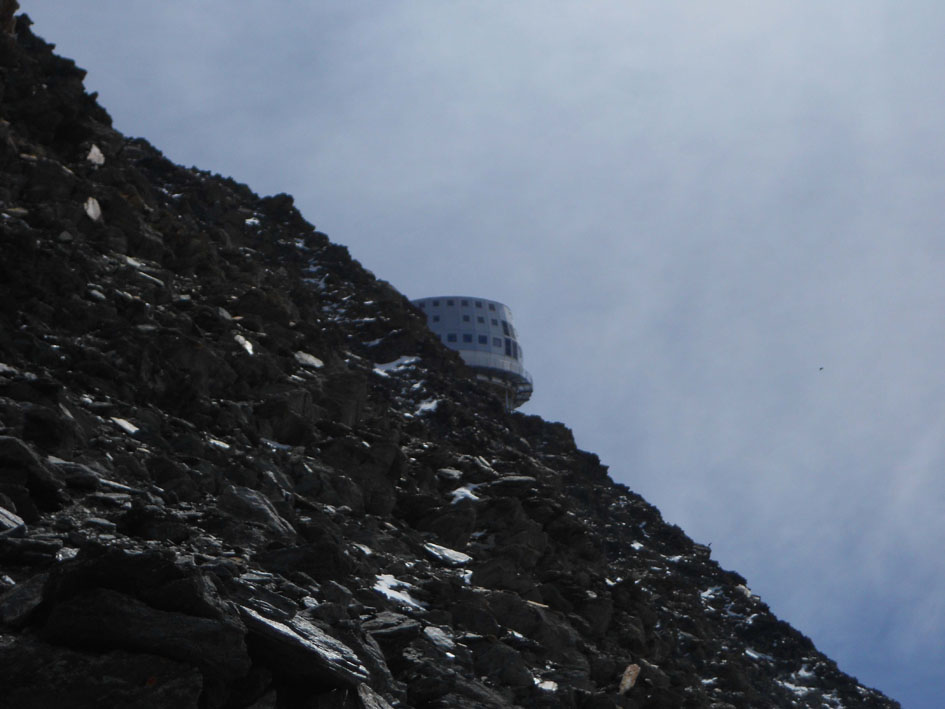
pixel 95 156
pixel 93 209
pixel 307 360
pixel 246 344
pixel 446 555
pixel 629 678
pixel 125 425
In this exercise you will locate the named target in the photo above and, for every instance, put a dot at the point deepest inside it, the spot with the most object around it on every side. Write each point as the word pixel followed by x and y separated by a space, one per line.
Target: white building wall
pixel 481 331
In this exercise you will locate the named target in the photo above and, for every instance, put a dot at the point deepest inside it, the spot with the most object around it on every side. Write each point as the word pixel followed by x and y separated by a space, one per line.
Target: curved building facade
pixel 482 332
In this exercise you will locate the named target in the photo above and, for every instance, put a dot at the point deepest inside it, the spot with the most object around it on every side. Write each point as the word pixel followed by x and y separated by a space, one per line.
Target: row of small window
pixel 463 303
pixel 506 328
pixel 511 346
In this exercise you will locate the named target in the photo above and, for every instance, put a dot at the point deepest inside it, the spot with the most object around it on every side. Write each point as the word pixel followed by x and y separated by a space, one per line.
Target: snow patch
pixel 427 406
pixel 387 585
pixel 384 369
pixel 464 493
pixel 796 688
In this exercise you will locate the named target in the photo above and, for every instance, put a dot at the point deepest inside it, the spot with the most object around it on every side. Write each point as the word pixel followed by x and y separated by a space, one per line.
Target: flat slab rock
pixel 300 649
pixel 11 524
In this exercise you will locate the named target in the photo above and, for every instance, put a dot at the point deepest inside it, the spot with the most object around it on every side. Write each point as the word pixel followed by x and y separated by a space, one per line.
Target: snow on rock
pixel 450 557
pixel 427 406
pixel 464 493
pixel 710 593
pixel 795 688
pixel 387 585
pixel 398 365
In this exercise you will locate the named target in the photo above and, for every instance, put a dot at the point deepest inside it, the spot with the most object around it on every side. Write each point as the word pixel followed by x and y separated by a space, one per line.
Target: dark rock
pixel 28 551
pixel 392 630
pixel 249 505
pixel 510 485
pixel 363 697
pixel 101 619
pixel 19 602
pixel 11 525
pixel 38 676
pixel 501 664
pixel 20 465
pixel 300 650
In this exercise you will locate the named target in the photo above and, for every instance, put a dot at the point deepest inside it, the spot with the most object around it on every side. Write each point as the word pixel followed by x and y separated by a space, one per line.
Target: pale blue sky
pixel 690 207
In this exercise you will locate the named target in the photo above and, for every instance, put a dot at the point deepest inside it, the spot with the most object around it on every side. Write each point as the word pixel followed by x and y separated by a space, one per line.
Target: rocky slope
pixel 236 470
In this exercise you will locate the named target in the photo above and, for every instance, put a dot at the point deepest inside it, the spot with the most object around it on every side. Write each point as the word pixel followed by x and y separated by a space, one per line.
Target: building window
pixel 495 323
pixel 492 306
pixel 451 337
pixel 465 303
pixel 465 318
pixel 505 328
pixel 514 350
pixel 478 303
pixel 481 319
pixel 467 337
pixel 449 302
pixel 436 303
pixel 497 342
pixel 483 340
pixel 436 318
pixel 508 347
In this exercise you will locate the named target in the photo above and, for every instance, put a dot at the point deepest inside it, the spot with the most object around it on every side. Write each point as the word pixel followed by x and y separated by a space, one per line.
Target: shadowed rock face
pixel 212 496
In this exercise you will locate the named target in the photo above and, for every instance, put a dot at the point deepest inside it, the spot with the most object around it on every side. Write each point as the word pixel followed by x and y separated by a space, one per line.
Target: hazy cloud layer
pixel 719 226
